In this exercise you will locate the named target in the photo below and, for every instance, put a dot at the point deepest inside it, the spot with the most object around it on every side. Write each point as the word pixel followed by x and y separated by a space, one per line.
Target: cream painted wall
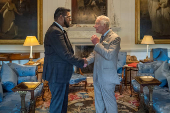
pixel 125 11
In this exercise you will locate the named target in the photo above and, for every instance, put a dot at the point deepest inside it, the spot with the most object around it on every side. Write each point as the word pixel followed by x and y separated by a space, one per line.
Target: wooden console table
pixel 150 85
pixel 17 56
pixel 22 89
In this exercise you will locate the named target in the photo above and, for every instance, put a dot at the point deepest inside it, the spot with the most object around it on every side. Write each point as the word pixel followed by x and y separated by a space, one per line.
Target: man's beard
pixel 65 23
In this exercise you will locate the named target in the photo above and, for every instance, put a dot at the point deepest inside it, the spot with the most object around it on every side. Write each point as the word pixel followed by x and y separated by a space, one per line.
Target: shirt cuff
pixel 96 44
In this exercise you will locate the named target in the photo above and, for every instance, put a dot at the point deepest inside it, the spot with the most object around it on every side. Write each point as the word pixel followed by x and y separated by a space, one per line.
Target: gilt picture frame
pixel 27 21
pixel 151 19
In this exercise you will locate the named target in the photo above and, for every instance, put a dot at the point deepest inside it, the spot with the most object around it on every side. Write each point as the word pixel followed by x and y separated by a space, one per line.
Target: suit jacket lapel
pixel 67 41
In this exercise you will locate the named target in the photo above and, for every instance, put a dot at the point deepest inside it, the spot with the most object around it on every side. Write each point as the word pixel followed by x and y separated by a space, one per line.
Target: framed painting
pixel 19 19
pixel 86 11
pixel 152 18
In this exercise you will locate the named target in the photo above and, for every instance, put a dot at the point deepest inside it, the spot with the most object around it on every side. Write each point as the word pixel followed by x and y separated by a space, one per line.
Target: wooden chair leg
pixel 85 84
pixel 120 89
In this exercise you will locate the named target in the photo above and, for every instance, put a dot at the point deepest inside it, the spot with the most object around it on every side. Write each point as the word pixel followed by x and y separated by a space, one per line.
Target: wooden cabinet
pixel 17 56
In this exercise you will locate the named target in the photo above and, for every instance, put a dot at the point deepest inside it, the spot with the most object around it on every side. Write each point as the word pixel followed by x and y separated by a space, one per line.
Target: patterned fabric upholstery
pixel 76 78
pixel 11 101
pixel 121 61
pixel 159 54
pixel 161 95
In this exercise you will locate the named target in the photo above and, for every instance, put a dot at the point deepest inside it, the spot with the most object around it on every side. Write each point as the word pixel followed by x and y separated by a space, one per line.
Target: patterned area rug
pixel 81 101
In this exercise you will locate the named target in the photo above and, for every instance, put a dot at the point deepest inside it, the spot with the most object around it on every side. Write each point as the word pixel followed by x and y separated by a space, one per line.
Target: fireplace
pixel 83 51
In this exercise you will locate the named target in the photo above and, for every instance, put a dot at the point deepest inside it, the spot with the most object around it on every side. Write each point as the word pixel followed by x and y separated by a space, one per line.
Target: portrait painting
pixel 152 17
pixel 19 19
pixel 86 11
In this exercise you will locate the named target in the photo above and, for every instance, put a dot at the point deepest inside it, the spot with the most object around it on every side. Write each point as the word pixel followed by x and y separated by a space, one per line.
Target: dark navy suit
pixel 58 66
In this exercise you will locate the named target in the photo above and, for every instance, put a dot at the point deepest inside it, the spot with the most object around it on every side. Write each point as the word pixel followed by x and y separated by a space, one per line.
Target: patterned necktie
pixel 101 39
pixel 65 33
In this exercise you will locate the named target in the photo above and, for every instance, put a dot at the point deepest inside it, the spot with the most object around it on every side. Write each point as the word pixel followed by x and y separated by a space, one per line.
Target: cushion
pixel 162 56
pixel 145 68
pixel 27 79
pixel 76 78
pixel 23 70
pixel 133 64
pixel 1 92
pixel 156 64
pixel 156 52
pixel 8 77
pixel 162 73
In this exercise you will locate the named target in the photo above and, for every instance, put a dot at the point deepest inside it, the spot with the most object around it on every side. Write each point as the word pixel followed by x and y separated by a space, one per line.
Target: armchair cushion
pixel 76 78
pixel 1 92
pixel 162 73
pixel 27 79
pixel 8 77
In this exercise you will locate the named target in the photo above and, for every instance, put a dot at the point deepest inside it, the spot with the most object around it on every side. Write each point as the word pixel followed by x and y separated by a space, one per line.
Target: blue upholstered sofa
pixel 12 74
pixel 161 94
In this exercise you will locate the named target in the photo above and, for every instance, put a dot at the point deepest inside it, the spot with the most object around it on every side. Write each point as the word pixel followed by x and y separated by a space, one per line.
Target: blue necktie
pixel 101 39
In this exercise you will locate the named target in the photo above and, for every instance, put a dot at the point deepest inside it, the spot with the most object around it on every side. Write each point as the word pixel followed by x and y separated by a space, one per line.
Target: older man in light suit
pixel 105 57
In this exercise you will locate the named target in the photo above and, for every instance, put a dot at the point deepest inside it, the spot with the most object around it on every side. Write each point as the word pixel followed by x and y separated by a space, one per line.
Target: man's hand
pixel 85 62
pixel 95 39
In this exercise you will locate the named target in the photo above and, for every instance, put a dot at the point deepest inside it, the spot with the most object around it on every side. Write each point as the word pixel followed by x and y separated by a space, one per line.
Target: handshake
pixel 85 62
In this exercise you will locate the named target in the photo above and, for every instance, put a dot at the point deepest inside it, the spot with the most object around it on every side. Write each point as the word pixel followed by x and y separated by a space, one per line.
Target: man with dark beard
pixel 59 60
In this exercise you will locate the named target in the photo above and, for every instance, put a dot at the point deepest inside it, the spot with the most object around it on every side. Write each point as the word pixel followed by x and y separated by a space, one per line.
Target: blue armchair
pixel 159 54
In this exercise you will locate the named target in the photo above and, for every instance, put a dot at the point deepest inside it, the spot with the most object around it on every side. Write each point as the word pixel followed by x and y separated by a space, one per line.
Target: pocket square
pixel 104 42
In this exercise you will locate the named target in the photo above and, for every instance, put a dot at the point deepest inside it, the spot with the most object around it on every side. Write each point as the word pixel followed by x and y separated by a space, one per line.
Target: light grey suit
pixel 105 76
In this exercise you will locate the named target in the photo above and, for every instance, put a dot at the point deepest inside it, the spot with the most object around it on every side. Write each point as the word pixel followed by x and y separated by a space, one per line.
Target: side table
pixel 22 89
pixel 129 68
pixel 150 85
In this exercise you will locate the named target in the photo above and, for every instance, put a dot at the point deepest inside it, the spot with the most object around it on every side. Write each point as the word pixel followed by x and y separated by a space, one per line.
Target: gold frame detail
pixel 137 27
pixel 39 28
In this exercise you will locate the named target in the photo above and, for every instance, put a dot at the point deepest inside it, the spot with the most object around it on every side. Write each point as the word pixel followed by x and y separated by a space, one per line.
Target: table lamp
pixel 147 39
pixel 31 41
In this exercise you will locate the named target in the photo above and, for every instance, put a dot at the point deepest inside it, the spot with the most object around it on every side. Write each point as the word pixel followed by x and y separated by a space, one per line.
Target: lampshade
pixel 147 39
pixel 31 41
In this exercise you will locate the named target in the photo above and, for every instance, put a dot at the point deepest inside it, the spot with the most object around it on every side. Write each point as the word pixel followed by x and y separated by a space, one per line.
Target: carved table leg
pixel 150 98
pixel 32 103
pixel 141 107
pixel 22 95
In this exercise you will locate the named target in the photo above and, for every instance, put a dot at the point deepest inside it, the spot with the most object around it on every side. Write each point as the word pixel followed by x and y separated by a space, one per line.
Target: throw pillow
pixel 133 64
pixel 1 92
pixel 161 73
pixel 21 70
pixel 162 57
pixel 156 52
pixel 145 68
pixel 8 77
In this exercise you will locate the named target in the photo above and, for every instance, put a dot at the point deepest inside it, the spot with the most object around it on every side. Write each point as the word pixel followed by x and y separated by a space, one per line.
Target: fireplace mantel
pixel 81 33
